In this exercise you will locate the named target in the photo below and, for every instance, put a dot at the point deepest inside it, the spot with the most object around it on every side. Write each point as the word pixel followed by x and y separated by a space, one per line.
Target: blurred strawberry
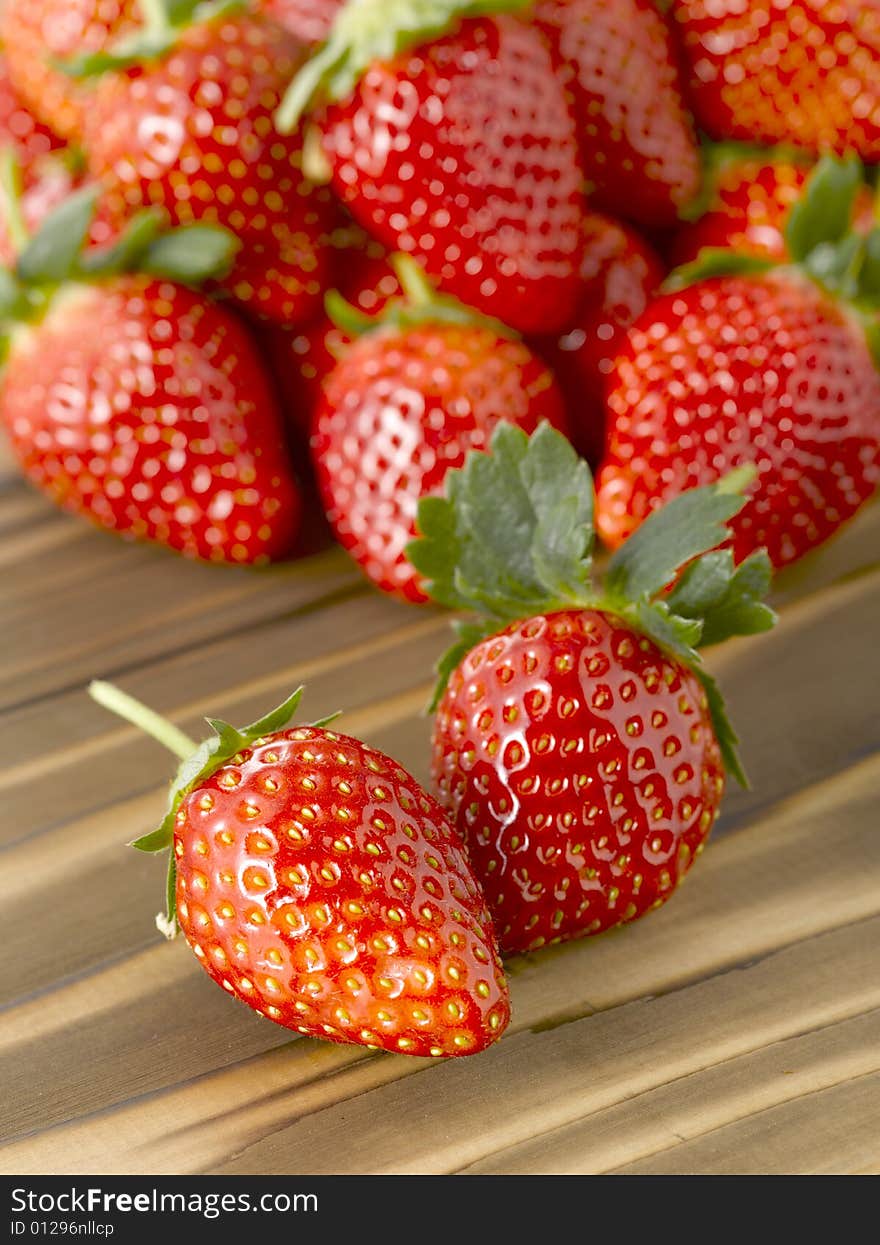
pixel 458 149
pixel 136 402
pixel 36 33
pixel 189 127
pixel 763 364
pixel 428 380
pixel 19 128
pixel 621 273
pixel 637 139
pixel 785 71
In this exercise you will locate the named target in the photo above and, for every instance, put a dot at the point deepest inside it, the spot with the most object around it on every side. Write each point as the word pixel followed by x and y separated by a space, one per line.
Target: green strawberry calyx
pixel 421 303
pixel 366 31
pixel 58 253
pixel 823 244
pixel 164 22
pixel 197 763
pixel 514 536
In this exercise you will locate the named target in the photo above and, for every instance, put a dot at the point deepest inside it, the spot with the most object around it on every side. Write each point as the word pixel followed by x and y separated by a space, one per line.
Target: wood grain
pixel 735 1030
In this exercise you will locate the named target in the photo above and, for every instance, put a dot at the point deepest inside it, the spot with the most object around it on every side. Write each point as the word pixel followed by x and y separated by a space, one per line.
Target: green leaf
pixel 514 533
pixel 52 254
pixel 869 278
pixel 14 304
pixel 690 524
pixel 741 610
pixel 679 636
pixel 727 737
pixel 824 212
pixel 366 31
pixel 191 254
pixel 126 253
pixel 717 262
pixel 702 584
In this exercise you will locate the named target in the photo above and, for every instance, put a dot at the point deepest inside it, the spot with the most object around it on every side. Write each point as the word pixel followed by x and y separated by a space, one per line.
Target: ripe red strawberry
pixel 192 131
pixel 138 403
pixel 302 358
pixel 318 883
pixel 36 33
pixel 310 20
pixel 735 370
pixel 786 71
pixel 426 383
pixel 750 197
pixel 637 139
pixel 579 745
pixel 621 273
pixel 460 152
pixel 763 366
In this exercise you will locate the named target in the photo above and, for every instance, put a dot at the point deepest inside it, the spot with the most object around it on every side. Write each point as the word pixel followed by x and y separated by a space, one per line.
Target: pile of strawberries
pixel 392 259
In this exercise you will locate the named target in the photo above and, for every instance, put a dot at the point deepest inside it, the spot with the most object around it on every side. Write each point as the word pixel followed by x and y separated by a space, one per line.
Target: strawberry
pixel 763 365
pixel 37 34
pixel 302 358
pixel 187 129
pixel 158 421
pixel 319 884
pixel 749 193
pixel 621 273
pixel 637 139
pixel 785 71
pixel 427 381
pixel 579 744
pixel 310 20
pixel 460 152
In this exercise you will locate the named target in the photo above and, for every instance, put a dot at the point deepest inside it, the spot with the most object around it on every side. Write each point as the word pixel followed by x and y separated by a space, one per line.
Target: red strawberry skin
pixel 144 407
pixel 579 763
pixel 397 412
pixel 637 138
pixel 36 32
pixel 621 274
pixel 309 20
pixel 318 883
pixel 774 71
pixel 767 371
pixel 302 358
pixel 194 133
pixel 463 154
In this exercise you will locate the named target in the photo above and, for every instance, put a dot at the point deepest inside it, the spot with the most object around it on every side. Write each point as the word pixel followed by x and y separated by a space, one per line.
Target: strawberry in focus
pixel 158 421
pixel 426 381
pixel 637 140
pixel 785 71
pixel 459 151
pixel 318 883
pixel 621 273
pixel 579 744
pixel 754 363
pixel 191 130
pixel 38 35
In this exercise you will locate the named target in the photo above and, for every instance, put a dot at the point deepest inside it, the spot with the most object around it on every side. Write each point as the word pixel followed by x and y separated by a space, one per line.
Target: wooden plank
pixel 227 1082
pixel 833 1132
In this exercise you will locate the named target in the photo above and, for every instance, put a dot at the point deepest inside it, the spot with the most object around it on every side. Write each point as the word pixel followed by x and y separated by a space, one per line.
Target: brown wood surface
pixel 736 1030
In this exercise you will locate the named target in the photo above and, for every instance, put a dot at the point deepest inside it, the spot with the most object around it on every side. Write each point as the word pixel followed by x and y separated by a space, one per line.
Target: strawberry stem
pixel 11 189
pixel 414 282
pixel 155 15
pixel 147 720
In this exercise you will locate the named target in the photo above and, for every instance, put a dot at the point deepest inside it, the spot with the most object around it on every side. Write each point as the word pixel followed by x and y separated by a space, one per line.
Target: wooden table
pixel 737 1030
